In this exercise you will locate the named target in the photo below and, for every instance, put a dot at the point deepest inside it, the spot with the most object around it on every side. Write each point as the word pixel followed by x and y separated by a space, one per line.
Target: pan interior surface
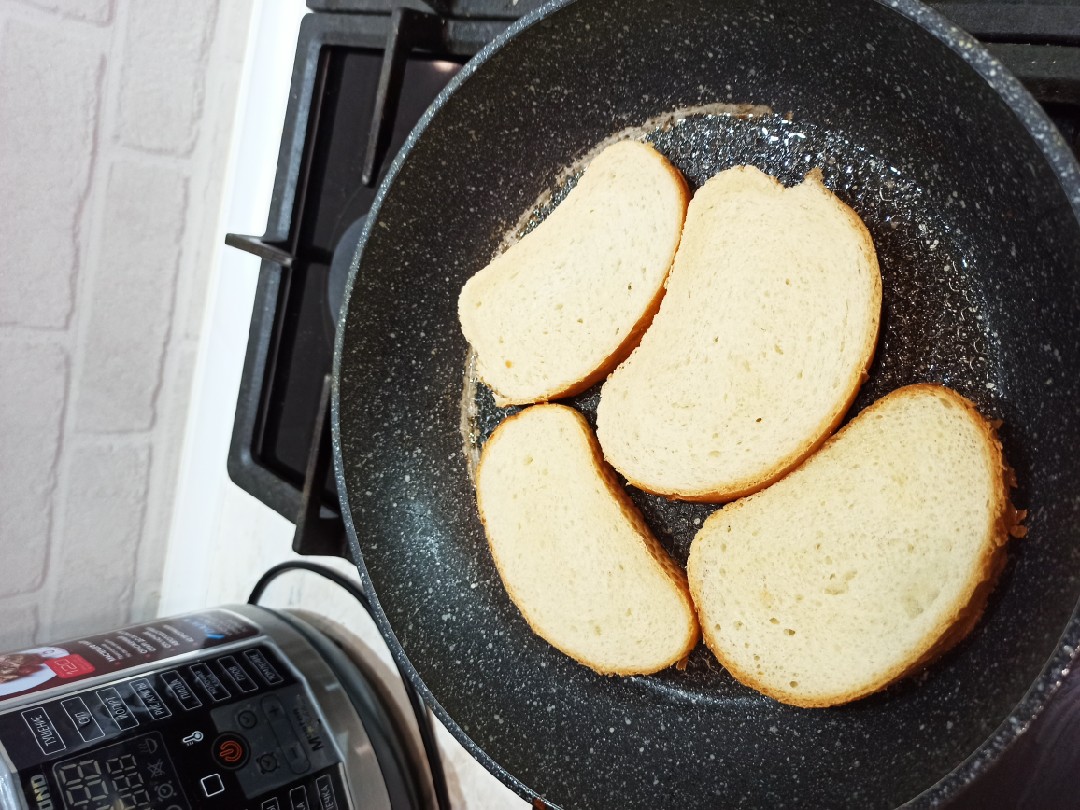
pixel 978 247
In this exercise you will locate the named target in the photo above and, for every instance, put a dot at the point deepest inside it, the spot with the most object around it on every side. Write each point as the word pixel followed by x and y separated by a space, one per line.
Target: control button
pixel 118 710
pixel 325 790
pixel 150 699
pixel 180 690
pixel 297 757
pixel 298 798
pixel 271 804
pixel 237 674
pixel 209 682
pixel 285 735
pixel 273 709
pixel 247 719
pixel 268 762
pixel 230 751
pixel 85 722
pixel 48 738
pixel 263 667
pixel 212 785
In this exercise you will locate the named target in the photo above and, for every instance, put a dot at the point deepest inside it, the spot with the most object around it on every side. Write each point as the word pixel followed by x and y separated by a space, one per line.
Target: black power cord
pixel 420 711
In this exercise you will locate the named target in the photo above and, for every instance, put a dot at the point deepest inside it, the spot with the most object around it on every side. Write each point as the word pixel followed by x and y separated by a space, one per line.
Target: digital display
pixel 136 774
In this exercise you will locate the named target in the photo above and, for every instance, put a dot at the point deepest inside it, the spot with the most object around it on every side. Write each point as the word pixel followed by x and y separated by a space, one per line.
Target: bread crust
pixel 849 390
pixel 622 350
pixel 673 572
pixel 960 618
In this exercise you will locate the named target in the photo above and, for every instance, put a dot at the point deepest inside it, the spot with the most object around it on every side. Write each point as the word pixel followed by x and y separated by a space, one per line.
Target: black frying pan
pixel 971 198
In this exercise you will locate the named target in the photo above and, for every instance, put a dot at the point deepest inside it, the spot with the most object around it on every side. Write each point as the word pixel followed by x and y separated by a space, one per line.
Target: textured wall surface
pixel 115 124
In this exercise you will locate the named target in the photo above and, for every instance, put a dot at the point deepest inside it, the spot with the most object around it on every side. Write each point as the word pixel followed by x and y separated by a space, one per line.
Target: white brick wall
pixel 37 268
pixel 139 247
pixel 98 11
pixel 33 382
pixel 155 57
pixel 115 120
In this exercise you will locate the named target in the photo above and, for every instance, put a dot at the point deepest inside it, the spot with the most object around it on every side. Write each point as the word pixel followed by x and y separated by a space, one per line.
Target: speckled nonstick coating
pixel 971 198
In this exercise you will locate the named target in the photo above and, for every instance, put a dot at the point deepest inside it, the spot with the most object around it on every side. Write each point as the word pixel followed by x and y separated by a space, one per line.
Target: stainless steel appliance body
pixel 236 707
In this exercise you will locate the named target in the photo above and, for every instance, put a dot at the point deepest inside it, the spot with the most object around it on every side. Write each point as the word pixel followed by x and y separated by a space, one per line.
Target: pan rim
pixel 1065 167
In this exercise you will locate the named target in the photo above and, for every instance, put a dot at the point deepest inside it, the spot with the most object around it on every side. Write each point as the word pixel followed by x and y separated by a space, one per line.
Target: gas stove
pixel 364 73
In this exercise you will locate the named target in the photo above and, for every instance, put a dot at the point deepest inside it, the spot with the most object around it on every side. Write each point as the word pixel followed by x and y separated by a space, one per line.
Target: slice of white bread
pixel 574 553
pixel 872 558
pixel 559 309
pixel 764 336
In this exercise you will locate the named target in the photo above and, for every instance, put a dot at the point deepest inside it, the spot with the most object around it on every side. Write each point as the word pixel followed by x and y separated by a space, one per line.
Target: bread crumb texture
pixel 759 347
pixel 561 307
pixel 573 552
pixel 873 557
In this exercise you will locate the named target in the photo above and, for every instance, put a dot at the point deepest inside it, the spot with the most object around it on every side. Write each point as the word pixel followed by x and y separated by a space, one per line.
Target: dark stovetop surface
pixel 344 86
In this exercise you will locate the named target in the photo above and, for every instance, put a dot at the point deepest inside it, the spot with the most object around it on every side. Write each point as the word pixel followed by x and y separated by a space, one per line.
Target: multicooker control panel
pixel 229 729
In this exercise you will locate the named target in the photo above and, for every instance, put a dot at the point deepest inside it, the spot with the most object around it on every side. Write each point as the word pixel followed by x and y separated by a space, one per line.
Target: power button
pixel 230 751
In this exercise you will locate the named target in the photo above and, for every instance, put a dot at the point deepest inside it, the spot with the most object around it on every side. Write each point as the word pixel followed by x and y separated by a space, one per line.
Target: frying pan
pixel 972 200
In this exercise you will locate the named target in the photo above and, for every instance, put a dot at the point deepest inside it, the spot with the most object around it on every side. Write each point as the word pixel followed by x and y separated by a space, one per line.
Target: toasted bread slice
pixel 559 309
pixel 870 559
pixel 574 553
pixel 764 336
